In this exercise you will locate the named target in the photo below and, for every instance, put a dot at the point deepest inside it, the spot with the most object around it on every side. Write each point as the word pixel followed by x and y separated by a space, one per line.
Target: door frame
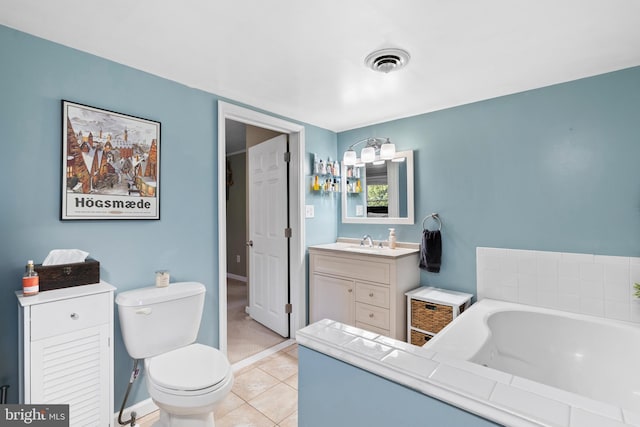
pixel 297 285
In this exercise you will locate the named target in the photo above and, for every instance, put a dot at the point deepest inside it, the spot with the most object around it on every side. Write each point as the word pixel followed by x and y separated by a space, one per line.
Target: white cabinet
pixel 66 351
pixel 430 309
pixel 333 298
pixel 361 290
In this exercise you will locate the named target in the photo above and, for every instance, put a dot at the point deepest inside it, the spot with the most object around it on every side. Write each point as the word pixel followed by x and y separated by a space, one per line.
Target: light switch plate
pixel 359 210
pixel 309 211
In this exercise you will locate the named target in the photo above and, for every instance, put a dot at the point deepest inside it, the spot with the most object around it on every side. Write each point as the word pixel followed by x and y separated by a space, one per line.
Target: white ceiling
pixel 305 59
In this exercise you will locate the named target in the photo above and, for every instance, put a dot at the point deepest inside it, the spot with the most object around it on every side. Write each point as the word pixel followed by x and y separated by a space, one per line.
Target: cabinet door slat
pixel 74 378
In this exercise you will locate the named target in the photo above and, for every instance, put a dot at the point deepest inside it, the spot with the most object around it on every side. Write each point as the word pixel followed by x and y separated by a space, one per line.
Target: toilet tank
pixel 156 320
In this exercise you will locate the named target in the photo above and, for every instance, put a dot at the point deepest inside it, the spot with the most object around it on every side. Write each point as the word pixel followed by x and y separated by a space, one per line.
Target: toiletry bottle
pixel 392 238
pixel 358 186
pixel 30 280
pixel 336 168
pixel 316 184
pixel 323 168
pixel 316 164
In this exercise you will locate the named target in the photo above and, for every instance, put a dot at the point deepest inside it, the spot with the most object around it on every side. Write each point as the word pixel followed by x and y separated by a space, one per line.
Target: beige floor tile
pixel 245 336
pixel 277 403
pixel 282 366
pixel 147 420
pixel 228 404
pixel 292 381
pixel 246 369
pixel 290 421
pixel 245 416
pixel 292 351
pixel 252 383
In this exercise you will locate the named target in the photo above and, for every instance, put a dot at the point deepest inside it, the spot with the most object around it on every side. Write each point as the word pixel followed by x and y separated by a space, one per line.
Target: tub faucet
pixel 366 237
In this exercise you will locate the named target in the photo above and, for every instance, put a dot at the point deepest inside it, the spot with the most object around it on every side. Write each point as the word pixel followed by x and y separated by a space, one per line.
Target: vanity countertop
pixel 352 246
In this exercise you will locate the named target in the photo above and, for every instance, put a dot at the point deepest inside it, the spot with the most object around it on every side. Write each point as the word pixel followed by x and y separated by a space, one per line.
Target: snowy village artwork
pixel 111 165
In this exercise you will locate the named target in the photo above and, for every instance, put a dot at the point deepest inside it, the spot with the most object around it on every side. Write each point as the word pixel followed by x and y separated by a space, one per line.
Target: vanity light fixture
pixel 384 148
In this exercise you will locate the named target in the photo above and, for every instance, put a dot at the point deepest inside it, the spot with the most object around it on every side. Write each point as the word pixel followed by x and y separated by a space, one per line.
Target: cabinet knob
pixel 75 316
pixel 350 290
pixel 371 294
pixel 371 315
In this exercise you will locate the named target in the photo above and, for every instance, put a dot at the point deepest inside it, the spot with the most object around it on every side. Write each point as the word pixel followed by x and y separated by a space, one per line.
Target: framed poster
pixel 110 165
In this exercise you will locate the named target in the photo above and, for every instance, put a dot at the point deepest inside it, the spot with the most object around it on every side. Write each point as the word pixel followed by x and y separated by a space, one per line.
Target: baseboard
pixel 142 408
pixel 237 277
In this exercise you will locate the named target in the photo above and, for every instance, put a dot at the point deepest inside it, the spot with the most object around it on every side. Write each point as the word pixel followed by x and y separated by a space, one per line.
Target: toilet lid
pixel 194 367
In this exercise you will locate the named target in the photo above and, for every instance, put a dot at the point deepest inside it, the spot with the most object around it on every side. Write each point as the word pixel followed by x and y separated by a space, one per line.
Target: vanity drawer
pixel 372 294
pixel 69 315
pixel 355 268
pixel 372 315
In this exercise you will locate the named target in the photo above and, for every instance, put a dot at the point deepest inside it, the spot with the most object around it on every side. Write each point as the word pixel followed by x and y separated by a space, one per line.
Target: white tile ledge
pixel 499 398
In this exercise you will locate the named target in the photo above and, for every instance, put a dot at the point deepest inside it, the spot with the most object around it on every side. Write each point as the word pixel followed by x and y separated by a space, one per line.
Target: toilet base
pixel 193 420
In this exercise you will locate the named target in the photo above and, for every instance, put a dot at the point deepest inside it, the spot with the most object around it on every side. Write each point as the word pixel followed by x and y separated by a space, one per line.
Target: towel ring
pixel 436 217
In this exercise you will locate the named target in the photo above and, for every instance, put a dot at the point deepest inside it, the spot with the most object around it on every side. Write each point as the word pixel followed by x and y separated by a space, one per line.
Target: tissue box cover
pixel 68 275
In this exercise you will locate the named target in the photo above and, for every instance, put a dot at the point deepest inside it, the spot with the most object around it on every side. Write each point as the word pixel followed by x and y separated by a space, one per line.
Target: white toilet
pixel 184 379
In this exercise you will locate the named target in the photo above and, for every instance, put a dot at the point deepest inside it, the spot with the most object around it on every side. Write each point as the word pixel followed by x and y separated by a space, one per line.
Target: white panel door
pixel 268 259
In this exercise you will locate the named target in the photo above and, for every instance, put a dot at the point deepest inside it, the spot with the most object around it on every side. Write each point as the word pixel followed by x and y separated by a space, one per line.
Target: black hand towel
pixel 431 251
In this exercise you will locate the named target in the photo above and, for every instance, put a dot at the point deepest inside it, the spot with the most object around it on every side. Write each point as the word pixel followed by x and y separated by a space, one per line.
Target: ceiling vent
pixel 387 60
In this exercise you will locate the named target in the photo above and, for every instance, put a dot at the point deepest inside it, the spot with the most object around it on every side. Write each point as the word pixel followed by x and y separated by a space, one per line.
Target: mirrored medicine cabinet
pixel 379 193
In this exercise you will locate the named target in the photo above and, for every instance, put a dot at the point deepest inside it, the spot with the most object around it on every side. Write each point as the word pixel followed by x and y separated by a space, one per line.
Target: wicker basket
pixel 429 316
pixel 419 338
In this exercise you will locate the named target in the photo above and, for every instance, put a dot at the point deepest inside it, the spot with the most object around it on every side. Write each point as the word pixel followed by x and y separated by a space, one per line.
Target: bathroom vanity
pixel 66 351
pixel 362 286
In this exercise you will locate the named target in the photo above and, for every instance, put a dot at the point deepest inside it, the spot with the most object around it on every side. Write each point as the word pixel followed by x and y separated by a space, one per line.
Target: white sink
pixel 354 247
pixel 366 249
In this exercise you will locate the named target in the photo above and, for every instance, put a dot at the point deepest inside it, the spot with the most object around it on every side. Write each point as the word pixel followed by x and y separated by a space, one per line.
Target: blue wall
pixel 35 75
pixel 334 393
pixel 551 169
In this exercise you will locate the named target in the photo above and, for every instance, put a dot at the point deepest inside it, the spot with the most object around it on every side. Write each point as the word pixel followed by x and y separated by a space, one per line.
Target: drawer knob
pixel 371 294
pixel 350 290
pixel 371 315
pixel 75 316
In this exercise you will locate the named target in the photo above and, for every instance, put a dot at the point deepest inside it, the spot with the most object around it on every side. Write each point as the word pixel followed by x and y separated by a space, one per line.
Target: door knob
pixel 249 243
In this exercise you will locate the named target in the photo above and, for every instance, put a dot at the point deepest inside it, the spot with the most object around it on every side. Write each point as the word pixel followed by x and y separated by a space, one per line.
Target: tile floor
pixel 265 394
pixel 245 336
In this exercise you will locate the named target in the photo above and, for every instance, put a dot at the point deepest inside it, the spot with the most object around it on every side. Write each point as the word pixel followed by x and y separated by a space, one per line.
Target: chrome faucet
pixel 366 237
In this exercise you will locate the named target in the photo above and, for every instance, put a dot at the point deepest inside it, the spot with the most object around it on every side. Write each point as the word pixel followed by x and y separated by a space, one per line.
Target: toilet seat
pixel 192 370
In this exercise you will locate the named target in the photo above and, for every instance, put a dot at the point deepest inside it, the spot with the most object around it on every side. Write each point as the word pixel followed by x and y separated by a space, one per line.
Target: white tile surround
pixel 503 398
pixel 596 285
